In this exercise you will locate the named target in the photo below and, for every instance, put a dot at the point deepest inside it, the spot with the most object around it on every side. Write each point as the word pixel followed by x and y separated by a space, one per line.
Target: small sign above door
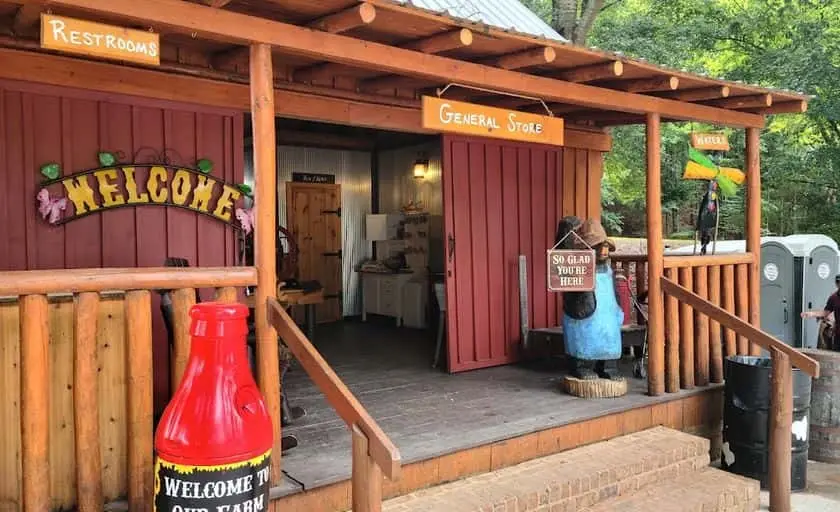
pixel 98 40
pixel 444 115
pixel 571 271
pixel 710 141
pixel 308 177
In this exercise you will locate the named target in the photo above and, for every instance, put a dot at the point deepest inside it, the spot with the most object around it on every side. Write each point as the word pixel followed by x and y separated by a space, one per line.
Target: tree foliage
pixel 787 44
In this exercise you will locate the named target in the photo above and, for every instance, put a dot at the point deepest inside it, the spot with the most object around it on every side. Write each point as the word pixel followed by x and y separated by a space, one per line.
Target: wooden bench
pixel 632 335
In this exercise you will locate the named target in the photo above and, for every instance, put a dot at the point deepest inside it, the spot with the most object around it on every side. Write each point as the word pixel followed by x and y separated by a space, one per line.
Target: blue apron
pixel 598 337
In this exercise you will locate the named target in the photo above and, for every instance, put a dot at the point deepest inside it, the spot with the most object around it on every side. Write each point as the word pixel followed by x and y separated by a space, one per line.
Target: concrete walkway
pixel 822 494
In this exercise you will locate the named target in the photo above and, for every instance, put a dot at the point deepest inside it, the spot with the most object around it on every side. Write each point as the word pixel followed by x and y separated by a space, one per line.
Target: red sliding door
pixel 503 199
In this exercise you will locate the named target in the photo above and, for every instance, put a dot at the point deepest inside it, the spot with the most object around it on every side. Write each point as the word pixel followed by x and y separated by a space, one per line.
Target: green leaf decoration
pixel 727 187
pixel 51 170
pixel 205 165
pixel 701 159
pixel 245 189
pixel 106 159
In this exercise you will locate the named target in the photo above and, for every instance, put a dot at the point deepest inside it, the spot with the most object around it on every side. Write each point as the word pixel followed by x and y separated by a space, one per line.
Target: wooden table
pixel 288 298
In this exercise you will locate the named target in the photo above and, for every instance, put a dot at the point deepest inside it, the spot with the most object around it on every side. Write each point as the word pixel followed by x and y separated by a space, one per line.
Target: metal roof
pixel 504 14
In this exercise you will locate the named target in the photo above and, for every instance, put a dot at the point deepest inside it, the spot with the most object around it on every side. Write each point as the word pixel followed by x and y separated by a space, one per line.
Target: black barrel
pixel 825 408
pixel 746 412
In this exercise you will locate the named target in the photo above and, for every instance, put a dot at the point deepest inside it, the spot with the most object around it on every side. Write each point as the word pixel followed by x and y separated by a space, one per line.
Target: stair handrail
pixel 381 450
pixel 742 328
pixel 784 357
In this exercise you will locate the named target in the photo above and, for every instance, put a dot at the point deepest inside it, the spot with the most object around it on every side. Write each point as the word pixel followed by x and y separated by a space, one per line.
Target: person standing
pixel 832 308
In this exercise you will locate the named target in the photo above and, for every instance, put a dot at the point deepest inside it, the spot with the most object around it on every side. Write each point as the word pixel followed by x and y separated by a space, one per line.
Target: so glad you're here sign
pixel 571 271
pixel 444 115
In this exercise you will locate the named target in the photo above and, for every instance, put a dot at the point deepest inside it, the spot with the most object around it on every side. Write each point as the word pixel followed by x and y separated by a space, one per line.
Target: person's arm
pixel 820 314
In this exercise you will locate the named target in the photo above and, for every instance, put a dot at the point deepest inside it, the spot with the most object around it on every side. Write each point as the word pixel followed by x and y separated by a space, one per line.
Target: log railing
pixel 784 358
pixel 696 345
pixel 373 452
pixel 33 287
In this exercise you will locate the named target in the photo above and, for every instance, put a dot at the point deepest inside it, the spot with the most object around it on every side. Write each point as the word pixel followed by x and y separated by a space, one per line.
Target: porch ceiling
pixel 404 26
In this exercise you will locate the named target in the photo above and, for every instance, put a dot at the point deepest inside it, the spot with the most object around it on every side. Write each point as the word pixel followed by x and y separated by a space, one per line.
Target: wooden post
pixel 138 335
pixel 655 250
pixel 686 333
pixel 182 301
pixel 672 338
pixel 715 347
pixel 742 304
pixel 367 476
pixel 701 330
pixel 86 404
pixel 781 419
pixel 35 402
pixel 753 226
pixel 729 306
pixel 226 294
pixel 265 204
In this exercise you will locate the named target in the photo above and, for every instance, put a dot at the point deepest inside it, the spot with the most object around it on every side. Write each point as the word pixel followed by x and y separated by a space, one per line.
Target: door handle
pixel 784 304
pixel 451 246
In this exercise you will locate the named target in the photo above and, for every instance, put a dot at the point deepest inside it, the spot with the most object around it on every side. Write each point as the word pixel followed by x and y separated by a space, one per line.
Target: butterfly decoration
pixel 49 207
pixel 245 216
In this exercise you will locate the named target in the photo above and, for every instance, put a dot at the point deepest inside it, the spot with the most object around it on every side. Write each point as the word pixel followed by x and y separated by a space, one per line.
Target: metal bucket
pixel 825 408
pixel 746 420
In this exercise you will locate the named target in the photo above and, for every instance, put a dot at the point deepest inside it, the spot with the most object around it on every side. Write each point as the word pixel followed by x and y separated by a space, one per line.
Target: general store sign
pixel 444 115
pixel 98 40
pixel 571 271
pixel 710 141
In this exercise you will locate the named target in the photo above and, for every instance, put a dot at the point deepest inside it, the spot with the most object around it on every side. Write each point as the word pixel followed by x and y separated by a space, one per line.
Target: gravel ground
pixel 822 494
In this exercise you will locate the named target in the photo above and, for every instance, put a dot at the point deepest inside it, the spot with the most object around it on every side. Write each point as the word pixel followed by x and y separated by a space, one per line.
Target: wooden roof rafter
pixel 299 43
pixel 27 16
pixel 335 23
pixel 434 44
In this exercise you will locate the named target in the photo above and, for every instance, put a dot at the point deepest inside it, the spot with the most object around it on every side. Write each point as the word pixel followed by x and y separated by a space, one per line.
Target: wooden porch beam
pixel 698 94
pixel 222 25
pixel 265 186
pixel 640 85
pixel 753 223
pixel 603 71
pixel 740 102
pixel 437 43
pixel 526 59
pixel 655 250
pixel 27 16
pixel 336 23
pixel 785 107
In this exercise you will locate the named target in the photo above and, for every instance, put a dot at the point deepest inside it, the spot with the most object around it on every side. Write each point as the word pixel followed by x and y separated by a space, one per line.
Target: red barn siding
pixel 502 200
pixel 39 124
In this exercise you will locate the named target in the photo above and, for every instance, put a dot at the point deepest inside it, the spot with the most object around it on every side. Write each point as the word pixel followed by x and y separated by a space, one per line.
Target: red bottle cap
pixel 218 320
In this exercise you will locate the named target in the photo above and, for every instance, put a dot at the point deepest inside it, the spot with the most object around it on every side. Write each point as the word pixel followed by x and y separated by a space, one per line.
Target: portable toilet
pixel 796 275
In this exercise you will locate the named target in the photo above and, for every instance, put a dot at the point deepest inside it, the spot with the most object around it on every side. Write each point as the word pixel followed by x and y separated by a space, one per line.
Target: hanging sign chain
pixel 441 92
pixel 581 240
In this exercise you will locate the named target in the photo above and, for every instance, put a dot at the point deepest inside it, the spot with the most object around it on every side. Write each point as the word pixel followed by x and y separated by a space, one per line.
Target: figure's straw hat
pixel 593 233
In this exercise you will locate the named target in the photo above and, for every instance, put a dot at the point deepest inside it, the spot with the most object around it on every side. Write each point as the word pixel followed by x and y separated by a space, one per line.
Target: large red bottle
pixel 214 440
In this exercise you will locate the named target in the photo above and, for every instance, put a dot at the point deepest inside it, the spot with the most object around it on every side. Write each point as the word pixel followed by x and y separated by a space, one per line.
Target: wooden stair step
pixel 570 480
pixel 708 490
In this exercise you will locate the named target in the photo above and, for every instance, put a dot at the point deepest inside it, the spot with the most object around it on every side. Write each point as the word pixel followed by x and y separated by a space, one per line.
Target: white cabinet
pixel 394 295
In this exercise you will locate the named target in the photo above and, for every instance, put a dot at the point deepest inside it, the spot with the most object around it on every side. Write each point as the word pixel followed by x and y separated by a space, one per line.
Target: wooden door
pixel 500 200
pixel 313 213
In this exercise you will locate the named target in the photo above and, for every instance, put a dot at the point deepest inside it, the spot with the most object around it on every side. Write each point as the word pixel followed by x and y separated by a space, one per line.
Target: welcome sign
pixel 68 198
pixel 470 119
pixel 99 40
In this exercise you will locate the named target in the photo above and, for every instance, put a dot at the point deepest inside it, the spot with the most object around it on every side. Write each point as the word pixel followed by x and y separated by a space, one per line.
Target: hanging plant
pixel 205 165
pixel 51 170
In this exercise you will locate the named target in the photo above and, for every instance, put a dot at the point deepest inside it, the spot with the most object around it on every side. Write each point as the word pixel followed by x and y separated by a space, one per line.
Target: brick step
pixel 571 480
pixel 708 490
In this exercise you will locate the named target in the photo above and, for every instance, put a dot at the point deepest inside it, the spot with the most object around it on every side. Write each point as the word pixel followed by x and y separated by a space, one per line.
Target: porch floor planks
pixel 426 412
